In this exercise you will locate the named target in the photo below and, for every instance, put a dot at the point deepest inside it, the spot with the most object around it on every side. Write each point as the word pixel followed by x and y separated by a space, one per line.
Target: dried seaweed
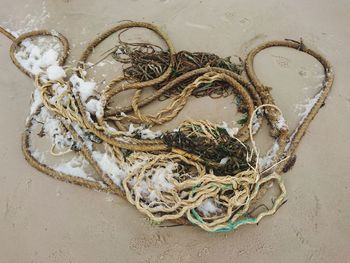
pixel 148 61
pixel 223 154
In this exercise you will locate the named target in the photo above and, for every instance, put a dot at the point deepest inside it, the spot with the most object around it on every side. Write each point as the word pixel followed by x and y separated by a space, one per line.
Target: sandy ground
pixel 43 220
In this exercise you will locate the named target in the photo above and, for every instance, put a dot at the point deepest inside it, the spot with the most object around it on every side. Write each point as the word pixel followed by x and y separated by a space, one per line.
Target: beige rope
pixel 235 194
pixel 265 95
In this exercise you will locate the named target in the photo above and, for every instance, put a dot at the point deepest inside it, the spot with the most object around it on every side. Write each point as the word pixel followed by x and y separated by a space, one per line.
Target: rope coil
pixel 191 180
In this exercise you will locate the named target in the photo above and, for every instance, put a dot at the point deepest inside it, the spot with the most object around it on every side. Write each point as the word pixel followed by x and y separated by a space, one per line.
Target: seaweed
pixel 222 154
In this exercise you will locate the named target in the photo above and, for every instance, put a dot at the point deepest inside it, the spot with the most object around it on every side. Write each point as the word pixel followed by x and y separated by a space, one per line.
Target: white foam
pixel 74 167
pixel 55 72
pixel 86 88
pixel 230 131
pixel 208 207
pixel 36 59
pixel 109 166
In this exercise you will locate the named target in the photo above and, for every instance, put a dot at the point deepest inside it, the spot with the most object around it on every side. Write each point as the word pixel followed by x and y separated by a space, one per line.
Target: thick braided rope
pixel 26 135
pixel 39 33
pixel 266 97
pixel 26 145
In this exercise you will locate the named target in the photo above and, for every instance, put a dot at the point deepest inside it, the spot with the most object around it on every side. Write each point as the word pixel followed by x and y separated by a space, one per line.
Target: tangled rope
pixel 201 173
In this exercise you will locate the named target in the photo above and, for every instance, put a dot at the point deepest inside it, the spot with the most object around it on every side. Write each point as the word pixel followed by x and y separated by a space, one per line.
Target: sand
pixel 43 220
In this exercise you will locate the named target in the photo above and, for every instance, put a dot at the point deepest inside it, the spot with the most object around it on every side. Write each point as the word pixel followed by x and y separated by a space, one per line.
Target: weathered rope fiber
pixel 265 95
pixel 189 181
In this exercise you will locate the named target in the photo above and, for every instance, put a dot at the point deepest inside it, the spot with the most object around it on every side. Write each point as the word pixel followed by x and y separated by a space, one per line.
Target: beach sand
pixel 44 220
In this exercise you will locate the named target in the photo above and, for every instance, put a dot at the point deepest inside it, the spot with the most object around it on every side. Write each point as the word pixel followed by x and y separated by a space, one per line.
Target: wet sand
pixel 44 220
